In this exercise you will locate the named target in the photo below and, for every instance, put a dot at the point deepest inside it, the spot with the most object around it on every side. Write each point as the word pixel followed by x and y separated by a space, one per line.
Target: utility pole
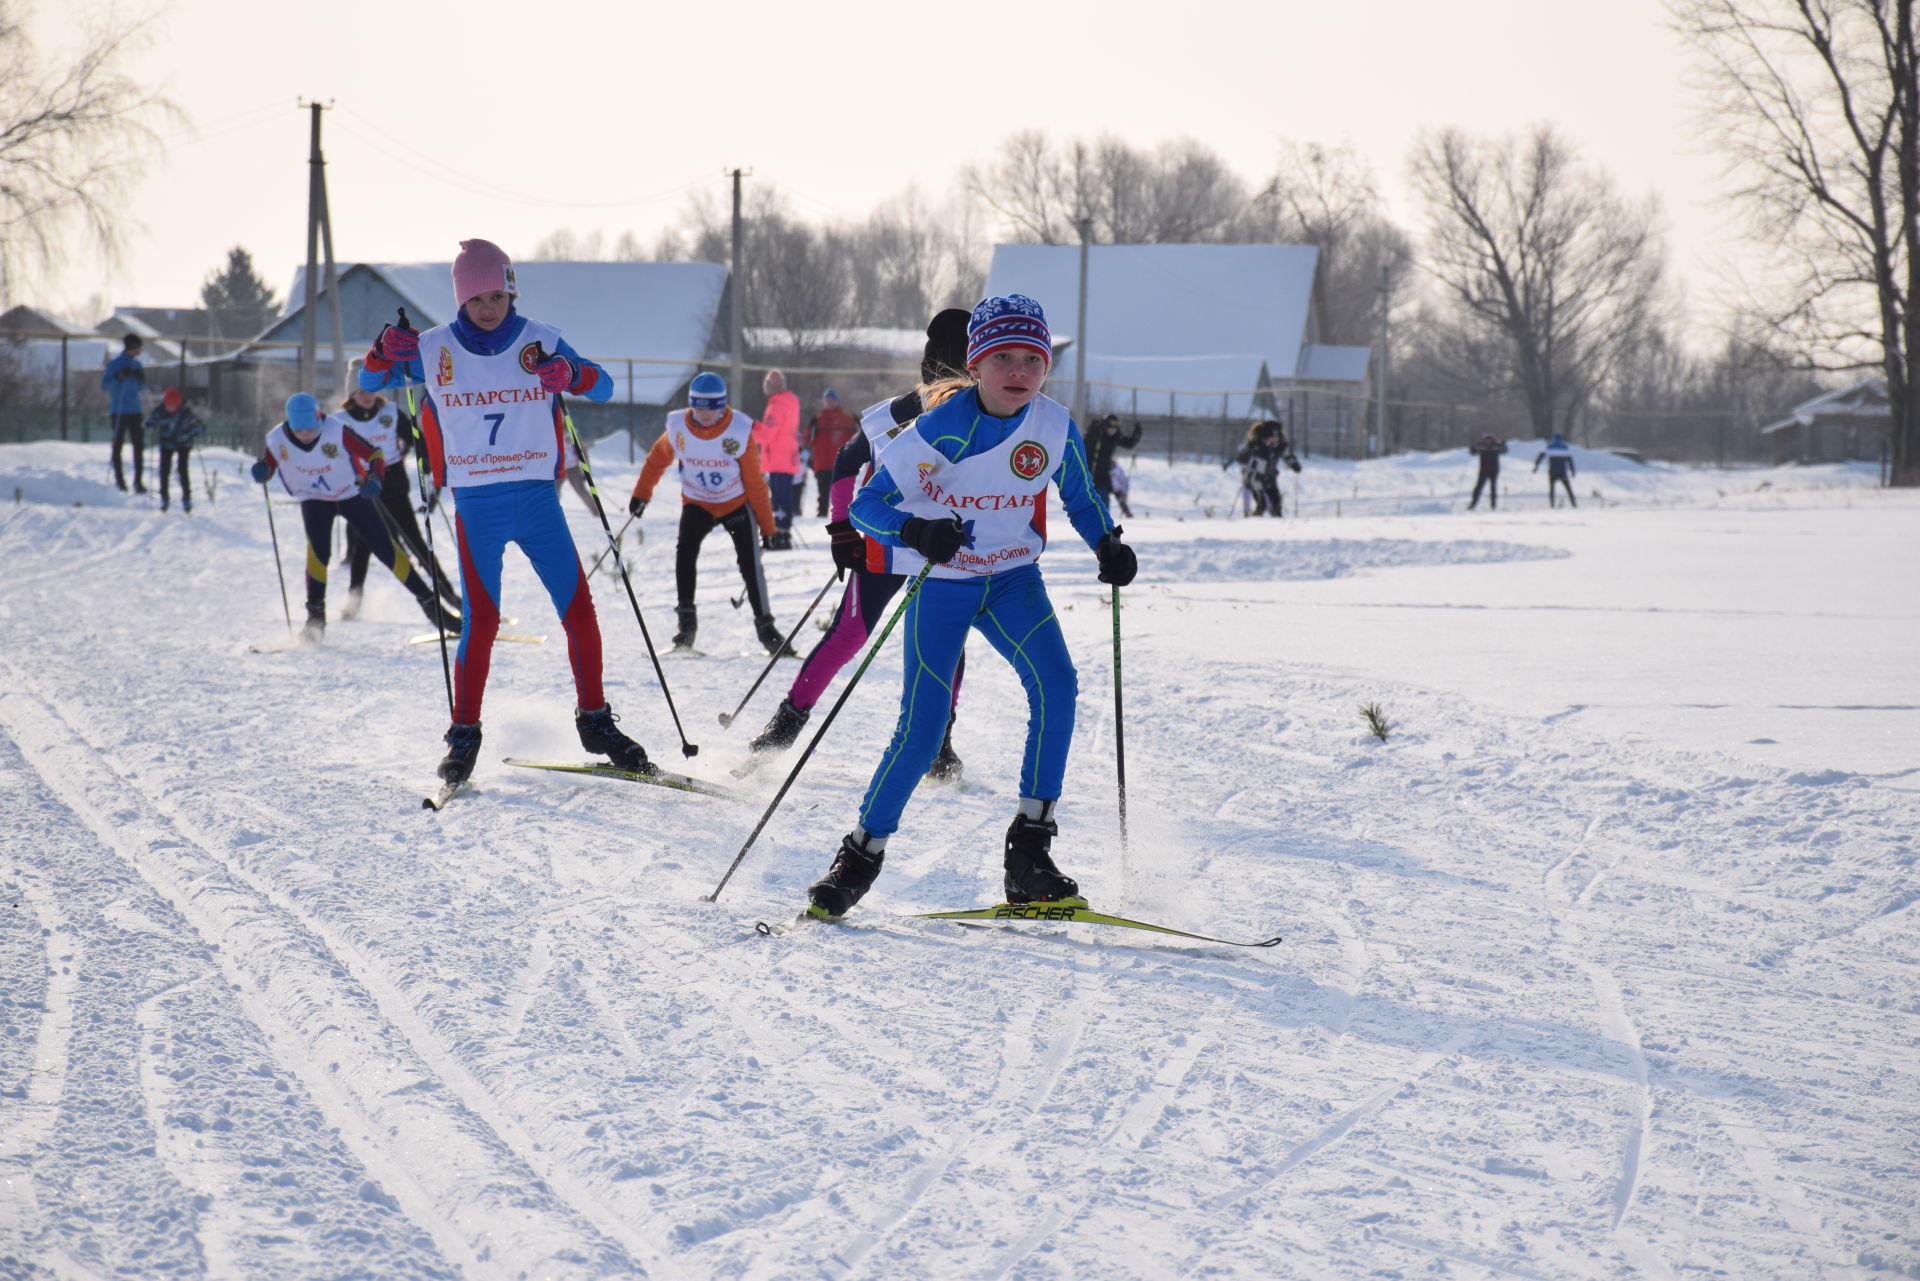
pixel 1380 364
pixel 736 299
pixel 1084 225
pixel 319 231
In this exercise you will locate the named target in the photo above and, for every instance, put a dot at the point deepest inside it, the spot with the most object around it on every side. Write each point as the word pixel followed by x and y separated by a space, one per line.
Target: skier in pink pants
pixel 869 586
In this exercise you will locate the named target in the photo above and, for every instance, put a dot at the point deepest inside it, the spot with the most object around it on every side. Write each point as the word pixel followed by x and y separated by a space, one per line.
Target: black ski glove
pixel 1293 464
pixel 937 540
pixel 848 548
pixel 636 507
pixel 1118 564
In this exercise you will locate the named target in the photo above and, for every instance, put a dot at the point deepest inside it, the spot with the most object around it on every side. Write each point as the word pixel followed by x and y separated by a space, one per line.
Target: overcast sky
pixel 510 120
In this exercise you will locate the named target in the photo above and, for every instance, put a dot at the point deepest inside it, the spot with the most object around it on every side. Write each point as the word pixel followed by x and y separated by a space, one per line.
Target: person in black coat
pixel 1266 451
pixel 1488 450
pixel 1105 441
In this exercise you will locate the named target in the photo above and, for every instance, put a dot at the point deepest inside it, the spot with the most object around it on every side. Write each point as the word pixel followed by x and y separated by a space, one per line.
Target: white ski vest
pixel 1001 495
pixel 325 470
pixel 497 423
pixel 382 431
pixel 710 469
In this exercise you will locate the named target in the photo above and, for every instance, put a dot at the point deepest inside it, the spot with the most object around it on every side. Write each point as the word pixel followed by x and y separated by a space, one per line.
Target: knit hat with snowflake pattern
pixel 1013 320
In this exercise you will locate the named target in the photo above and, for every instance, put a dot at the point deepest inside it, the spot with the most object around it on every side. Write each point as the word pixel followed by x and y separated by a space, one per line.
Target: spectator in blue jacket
pixel 123 380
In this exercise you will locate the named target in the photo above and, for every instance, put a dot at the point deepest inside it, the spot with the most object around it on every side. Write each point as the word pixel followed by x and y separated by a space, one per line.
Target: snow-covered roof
pixel 1325 363
pixel 880 341
pixel 1176 302
pixel 1864 399
pixel 23 317
pixel 609 311
pixel 1180 386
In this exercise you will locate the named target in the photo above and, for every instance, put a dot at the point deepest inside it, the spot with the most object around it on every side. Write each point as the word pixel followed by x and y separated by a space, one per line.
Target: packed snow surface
pixel 1601 965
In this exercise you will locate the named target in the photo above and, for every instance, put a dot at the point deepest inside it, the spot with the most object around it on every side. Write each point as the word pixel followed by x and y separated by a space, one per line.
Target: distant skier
pixel 1120 490
pixel 869 586
pixel 720 484
pixel 1488 450
pixel 175 428
pixel 1266 450
pixel 1560 469
pixel 492 424
pixel 393 432
pixel 990 445
pixel 1105 440
pixel 123 379
pixel 333 471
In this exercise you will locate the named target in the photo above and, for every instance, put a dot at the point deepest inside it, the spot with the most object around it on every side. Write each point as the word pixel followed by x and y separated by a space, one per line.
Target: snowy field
pixel 1603 965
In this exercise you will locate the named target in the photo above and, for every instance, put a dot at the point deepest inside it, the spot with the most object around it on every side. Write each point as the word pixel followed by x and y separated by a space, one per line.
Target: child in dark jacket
pixel 175 428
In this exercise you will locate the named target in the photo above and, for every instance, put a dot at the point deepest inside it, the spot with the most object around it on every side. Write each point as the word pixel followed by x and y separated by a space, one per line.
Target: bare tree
pixel 1327 197
pixel 1529 245
pixel 73 128
pixel 1031 188
pixel 909 258
pixel 568 245
pixel 1817 103
pixel 1180 192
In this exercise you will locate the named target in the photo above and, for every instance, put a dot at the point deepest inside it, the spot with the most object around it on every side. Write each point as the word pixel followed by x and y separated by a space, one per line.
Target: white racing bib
pixel 709 469
pixel 382 431
pixel 497 422
pixel 1000 495
pixel 323 471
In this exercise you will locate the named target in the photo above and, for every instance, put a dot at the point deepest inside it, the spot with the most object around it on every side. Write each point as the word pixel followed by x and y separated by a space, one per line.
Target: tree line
pixel 1529 284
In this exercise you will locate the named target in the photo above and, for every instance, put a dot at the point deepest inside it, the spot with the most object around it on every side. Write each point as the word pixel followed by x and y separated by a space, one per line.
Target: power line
pixel 449 176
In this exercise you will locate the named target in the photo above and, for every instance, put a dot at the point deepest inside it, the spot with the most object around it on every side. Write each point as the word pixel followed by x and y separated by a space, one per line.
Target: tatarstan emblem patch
pixel 1029 459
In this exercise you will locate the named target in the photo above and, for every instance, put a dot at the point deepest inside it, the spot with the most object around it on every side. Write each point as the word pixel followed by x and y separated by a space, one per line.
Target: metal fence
pixel 239 394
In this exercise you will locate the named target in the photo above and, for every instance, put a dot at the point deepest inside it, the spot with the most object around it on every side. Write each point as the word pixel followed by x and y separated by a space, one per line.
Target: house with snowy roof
pixel 1847 424
pixel 651 324
pixel 1186 331
pixel 36 348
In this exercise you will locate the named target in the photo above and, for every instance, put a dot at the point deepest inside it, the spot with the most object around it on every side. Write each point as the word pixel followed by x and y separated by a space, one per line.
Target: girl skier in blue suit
pixel 493 430
pixel 964 491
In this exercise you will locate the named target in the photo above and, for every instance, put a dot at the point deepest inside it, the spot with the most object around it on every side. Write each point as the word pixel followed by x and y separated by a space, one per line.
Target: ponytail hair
pixel 940 391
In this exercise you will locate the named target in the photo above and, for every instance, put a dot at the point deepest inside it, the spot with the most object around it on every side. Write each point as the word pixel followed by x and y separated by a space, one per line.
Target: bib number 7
pixel 496 420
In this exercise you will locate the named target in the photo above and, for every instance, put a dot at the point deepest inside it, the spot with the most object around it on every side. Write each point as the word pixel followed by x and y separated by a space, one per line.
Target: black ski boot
pixel 599 734
pixel 689 620
pixel 316 627
pixel 850 877
pixel 437 613
pixel 780 732
pixel 1031 875
pixel 946 767
pixel 771 637
pixel 463 746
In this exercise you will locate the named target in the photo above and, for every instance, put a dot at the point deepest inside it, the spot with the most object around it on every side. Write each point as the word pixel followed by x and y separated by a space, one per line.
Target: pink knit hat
pixel 482 267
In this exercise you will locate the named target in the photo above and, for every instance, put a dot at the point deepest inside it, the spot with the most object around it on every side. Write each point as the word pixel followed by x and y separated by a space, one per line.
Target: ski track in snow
pixel 1552 1005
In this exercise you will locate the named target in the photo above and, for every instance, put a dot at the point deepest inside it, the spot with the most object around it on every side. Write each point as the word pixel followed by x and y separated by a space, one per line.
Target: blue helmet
pixel 707 391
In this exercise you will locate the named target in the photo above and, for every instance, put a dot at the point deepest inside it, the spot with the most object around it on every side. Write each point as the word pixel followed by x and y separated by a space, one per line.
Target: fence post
pixel 633 428
pixel 64 380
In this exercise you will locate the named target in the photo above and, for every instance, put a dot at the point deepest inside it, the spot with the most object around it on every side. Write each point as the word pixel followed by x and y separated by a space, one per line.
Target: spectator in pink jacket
pixel 777 433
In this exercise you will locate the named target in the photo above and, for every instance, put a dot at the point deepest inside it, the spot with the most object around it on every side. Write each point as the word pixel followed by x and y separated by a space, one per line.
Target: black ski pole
pixel 727 718
pixel 600 510
pixel 912 588
pixel 1119 732
pixel 278 568
pixel 595 567
pixel 423 473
